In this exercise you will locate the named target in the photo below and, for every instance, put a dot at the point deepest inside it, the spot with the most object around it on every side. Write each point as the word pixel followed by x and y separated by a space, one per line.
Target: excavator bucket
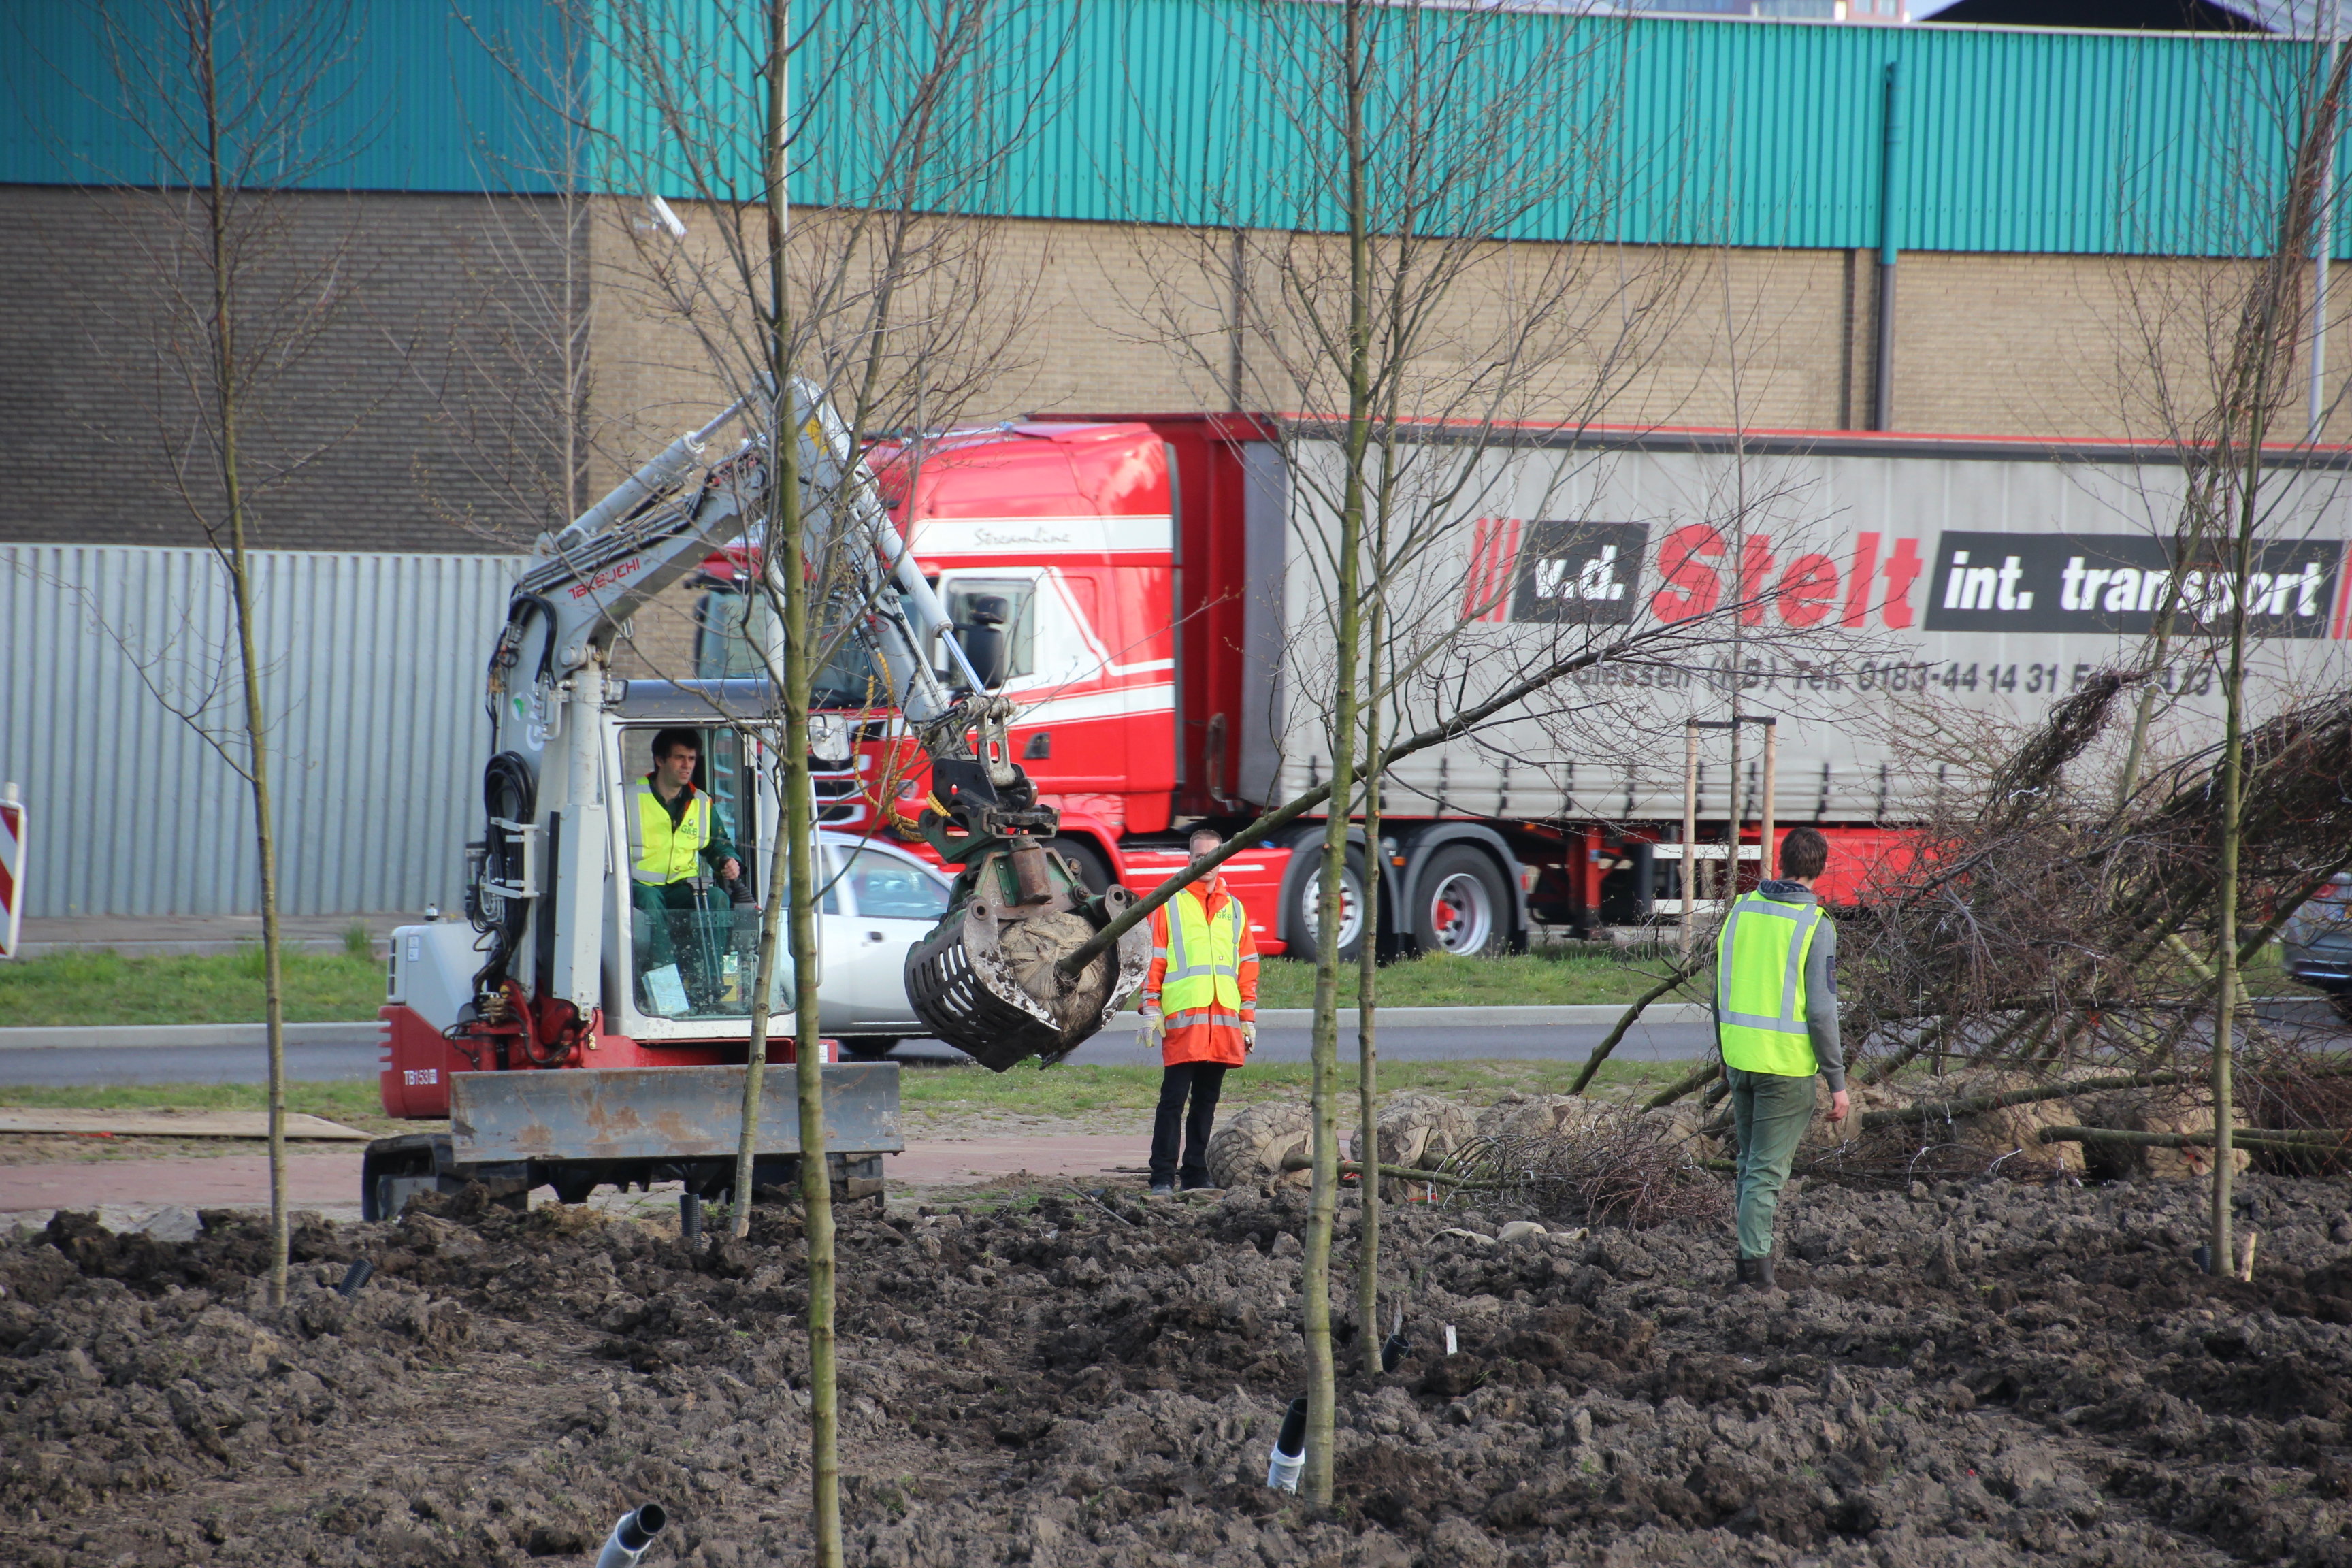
pixel 988 979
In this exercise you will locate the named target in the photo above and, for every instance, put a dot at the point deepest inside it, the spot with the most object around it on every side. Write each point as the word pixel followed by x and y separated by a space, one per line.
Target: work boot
pixel 1163 1190
pixel 1763 1281
pixel 1746 1272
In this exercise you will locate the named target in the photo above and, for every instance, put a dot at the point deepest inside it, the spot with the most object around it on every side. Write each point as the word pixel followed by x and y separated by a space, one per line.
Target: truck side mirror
pixel 983 638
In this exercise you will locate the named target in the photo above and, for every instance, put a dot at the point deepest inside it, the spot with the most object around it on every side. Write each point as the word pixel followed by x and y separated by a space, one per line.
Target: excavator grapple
pixel 987 978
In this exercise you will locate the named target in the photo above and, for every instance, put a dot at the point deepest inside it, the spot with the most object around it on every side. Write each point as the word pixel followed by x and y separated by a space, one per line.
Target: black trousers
pixel 1202 1081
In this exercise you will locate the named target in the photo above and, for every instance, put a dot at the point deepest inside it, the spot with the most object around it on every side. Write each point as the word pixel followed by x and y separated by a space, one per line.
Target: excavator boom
pixel 986 978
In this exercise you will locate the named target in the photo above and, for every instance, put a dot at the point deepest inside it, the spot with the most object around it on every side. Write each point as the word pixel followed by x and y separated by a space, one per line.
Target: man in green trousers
pixel 1776 1019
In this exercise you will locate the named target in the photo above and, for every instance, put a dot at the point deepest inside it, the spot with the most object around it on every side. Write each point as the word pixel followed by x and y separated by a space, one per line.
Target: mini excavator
pixel 577 1033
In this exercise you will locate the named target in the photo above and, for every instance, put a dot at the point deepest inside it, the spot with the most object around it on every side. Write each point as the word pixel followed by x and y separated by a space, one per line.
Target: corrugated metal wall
pixel 1720 131
pixel 408 94
pixel 373 678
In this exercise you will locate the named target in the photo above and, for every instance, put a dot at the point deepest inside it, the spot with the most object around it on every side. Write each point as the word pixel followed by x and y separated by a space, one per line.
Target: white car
pixel 878 902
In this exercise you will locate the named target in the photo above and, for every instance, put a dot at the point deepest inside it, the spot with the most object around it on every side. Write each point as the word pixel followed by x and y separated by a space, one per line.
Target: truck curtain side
pixel 1900 585
pixel 1160 582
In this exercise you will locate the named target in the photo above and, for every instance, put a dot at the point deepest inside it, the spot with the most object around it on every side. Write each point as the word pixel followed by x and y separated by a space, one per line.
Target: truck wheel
pixel 1461 907
pixel 868 1048
pixel 1093 869
pixel 1303 886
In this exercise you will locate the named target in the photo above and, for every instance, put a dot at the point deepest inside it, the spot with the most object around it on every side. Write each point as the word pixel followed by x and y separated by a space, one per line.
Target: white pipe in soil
pixel 632 1536
pixel 1289 1457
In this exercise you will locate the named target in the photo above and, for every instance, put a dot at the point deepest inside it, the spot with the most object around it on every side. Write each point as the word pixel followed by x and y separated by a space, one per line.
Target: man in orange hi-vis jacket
pixel 1200 1005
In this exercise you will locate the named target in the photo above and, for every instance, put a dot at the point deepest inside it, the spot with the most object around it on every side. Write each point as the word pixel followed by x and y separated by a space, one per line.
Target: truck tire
pixel 868 1048
pixel 1301 888
pixel 1461 905
pixel 1093 869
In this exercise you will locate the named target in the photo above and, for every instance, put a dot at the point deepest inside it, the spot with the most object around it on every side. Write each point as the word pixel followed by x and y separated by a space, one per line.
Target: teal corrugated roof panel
pixel 1218 112
pixel 402 93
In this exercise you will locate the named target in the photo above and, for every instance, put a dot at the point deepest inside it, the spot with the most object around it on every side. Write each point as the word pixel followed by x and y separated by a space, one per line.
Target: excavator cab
pixel 693 940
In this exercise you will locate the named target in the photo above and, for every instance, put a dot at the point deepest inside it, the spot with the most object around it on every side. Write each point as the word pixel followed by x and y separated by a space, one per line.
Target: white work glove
pixel 1148 1036
pixel 1249 1035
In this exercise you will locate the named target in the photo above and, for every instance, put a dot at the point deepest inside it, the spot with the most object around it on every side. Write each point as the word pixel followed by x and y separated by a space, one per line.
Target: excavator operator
pixel 674 828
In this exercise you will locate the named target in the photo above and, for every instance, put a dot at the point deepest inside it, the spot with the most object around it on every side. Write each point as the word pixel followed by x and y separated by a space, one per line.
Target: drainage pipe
pixel 1289 1457
pixel 632 1536
pixel 1881 399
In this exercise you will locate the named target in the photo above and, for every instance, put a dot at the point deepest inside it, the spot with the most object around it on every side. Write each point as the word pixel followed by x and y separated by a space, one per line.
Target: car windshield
pixel 886 888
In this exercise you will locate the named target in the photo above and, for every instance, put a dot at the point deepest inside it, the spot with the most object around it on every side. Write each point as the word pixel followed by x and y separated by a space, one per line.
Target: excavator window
pixel 694 940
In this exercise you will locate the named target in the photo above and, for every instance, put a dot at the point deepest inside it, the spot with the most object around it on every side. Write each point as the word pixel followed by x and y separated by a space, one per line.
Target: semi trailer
pixel 1149 591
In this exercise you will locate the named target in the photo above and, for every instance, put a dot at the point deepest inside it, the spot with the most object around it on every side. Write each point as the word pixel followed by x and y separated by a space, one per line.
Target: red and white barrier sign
pixel 12 869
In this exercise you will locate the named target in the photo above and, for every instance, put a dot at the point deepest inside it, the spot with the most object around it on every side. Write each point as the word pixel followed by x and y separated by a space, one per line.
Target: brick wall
pixel 425 412
pixel 1104 316
pixel 407 402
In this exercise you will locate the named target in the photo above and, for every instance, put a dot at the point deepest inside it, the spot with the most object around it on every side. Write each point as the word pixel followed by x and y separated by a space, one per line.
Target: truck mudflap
pixel 578 1129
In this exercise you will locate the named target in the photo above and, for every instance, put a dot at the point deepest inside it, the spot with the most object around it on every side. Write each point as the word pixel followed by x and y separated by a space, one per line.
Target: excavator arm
pixel 987 978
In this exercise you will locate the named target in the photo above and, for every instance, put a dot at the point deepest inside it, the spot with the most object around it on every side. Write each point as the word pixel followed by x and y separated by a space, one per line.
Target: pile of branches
pixel 1625 1169
pixel 2044 921
pixel 2289 1093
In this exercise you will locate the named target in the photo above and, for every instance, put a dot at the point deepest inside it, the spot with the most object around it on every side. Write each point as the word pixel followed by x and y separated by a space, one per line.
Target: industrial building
pixel 1933 230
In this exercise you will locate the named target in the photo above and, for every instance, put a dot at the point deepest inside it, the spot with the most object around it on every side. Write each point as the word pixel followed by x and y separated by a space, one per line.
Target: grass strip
pixel 1551 978
pixel 97 986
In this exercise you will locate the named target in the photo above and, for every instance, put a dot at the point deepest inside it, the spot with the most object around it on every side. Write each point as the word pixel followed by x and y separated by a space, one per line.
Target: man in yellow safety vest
pixel 674 830
pixel 1776 1019
pixel 1200 1005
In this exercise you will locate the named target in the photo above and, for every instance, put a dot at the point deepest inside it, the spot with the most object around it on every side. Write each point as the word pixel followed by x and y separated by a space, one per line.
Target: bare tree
pixel 1429 378
pixel 224 106
pixel 879 306
pixel 2223 408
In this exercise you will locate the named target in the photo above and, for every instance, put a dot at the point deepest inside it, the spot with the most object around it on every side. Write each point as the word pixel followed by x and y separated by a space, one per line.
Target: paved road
pixel 322 1064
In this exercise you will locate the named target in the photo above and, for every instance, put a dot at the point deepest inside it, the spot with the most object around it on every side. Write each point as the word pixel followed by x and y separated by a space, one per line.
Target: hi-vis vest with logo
pixel 1203 975
pixel 659 853
pixel 1759 987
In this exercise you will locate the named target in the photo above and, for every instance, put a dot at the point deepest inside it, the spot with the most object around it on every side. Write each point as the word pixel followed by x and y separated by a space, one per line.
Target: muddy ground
pixel 1977 1374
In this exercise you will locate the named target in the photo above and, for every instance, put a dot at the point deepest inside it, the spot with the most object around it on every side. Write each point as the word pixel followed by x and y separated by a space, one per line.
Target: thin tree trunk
pixel 755 1060
pixel 787 549
pixel 273 987
pixel 2145 708
pixel 1322 1395
pixel 227 390
pixel 2234 751
pixel 2298 220
pixel 1368 958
